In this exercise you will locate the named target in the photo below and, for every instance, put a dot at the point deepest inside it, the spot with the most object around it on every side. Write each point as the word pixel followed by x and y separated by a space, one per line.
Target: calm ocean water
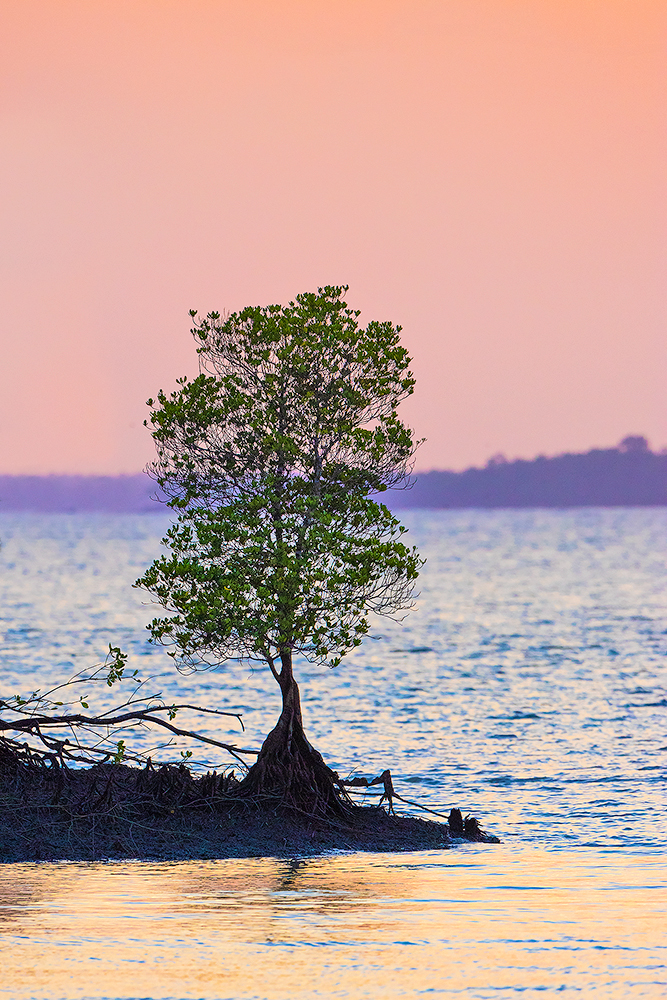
pixel 528 687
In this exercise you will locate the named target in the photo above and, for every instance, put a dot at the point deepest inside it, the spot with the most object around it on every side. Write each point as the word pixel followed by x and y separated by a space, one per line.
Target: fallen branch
pixel 94 738
pixel 468 828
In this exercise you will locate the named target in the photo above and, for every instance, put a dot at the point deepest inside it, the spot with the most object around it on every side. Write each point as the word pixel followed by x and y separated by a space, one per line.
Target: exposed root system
pixel 294 774
pixel 113 811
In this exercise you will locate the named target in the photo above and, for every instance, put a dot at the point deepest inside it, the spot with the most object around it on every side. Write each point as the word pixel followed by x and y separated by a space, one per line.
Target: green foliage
pixel 39 702
pixel 273 458
pixel 41 718
pixel 116 661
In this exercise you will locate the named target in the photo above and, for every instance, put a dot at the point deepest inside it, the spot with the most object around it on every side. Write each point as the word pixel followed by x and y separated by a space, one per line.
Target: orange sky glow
pixel 490 174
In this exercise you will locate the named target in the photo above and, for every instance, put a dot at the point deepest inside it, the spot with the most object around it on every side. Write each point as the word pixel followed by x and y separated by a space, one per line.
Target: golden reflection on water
pixel 474 921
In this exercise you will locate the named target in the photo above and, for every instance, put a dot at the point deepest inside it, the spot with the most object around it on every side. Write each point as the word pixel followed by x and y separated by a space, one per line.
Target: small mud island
pixel 111 811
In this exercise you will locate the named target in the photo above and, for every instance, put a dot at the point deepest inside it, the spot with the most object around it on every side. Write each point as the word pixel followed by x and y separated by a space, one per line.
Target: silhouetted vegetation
pixel 79 494
pixel 627 476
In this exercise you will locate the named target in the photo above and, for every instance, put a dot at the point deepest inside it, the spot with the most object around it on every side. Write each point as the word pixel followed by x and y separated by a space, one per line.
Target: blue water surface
pixel 528 687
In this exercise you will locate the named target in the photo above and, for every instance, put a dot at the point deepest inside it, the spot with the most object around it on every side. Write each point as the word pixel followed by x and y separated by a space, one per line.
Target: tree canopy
pixel 274 457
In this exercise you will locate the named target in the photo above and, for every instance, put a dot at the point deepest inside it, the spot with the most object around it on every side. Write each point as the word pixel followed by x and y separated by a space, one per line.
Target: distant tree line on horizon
pixel 630 475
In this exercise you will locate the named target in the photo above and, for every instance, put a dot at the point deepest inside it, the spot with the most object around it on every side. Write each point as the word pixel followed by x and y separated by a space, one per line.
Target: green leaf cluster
pixel 274 457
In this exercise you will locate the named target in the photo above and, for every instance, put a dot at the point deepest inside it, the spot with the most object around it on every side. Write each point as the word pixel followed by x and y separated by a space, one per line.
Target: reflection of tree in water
pixel 288 879
pixel 261 892
pixel 336 884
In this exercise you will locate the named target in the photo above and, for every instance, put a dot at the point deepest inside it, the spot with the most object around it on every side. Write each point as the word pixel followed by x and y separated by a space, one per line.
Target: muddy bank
pixel 114 811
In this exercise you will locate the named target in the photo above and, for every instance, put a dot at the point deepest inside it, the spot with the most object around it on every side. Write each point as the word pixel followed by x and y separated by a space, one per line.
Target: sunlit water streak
pixel 529 686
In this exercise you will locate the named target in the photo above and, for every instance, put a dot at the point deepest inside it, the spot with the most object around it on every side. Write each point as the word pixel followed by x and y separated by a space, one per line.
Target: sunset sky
pixel 490 174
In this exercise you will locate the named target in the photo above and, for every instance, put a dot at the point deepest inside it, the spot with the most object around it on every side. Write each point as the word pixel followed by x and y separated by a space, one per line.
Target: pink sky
pixel 490 174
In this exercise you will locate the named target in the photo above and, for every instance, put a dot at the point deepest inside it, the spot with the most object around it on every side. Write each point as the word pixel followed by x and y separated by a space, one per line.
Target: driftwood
pixel 57 752
pixel 59 733
pixel 465 829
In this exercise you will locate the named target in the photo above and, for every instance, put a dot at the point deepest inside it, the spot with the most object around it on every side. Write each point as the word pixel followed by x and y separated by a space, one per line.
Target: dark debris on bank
pixel 111 811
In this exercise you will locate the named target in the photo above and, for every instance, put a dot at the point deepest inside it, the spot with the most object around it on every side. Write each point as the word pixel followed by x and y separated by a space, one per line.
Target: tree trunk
pixel 288 767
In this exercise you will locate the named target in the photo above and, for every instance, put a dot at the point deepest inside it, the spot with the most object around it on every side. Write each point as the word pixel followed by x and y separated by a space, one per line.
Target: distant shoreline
pixel 627 476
